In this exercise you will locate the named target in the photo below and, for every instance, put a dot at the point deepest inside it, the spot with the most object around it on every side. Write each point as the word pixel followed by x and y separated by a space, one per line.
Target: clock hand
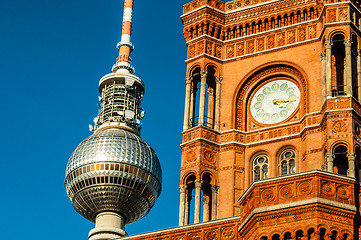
pixel 281 102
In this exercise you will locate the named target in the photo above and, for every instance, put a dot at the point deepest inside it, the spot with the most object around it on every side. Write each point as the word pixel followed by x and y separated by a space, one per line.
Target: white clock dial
pixel 275 101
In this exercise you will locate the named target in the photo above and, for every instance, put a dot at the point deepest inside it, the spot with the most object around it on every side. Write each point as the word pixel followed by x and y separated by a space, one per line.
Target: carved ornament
pixel 267 195
pixel 343 192
pixel 194 236
pixel 328 189
pixel 339 126
pixel 286 191
pixel 211 235
pixel 191 156
pixel 209 156
pixel 305 188
pixel 228 233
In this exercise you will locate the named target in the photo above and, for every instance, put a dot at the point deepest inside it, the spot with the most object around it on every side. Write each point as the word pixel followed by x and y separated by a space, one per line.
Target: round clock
pixel 275 101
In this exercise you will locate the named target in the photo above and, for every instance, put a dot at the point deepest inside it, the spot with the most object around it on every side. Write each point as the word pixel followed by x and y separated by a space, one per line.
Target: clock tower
pixel 272 92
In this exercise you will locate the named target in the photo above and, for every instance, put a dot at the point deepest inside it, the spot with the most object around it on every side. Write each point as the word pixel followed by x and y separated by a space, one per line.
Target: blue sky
pixel 53 54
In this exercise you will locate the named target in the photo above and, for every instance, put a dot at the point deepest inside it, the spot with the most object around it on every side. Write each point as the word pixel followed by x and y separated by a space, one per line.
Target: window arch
pixel 338 65
pixel 260 167
pixel 201 98
pixel 287 162
pixel 340 162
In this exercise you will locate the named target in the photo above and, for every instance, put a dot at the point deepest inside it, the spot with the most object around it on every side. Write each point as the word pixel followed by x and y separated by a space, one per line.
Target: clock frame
pixel 275 101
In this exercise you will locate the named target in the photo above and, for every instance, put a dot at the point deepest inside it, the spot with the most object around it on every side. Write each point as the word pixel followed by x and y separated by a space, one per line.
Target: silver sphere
pixel 113 170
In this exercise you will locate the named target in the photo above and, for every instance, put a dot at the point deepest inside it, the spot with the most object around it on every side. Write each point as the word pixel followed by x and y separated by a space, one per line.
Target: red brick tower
pixel 272 115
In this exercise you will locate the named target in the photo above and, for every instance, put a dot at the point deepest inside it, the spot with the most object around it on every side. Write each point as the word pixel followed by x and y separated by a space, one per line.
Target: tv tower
pixel 114 177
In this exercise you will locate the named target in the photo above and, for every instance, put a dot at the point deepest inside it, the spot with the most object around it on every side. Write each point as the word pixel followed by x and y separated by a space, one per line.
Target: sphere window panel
pixel 275 101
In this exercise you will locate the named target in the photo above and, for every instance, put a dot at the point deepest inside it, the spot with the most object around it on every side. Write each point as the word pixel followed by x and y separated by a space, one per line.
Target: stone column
pixel 329 159
pixel 359 75
pixel 202 98
pixel 214 189
pixel 197 200
pixel 187 103
pixel 351 164
pixel 210 115
pixel 217 103
pixel 191 109
pixel 328 69
pixel 205 208
pixel 323 73
pixel 348 68
pixel 182 203
pixel 186 210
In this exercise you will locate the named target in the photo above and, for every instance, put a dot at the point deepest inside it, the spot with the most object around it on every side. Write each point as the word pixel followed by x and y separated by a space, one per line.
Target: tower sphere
pixel 113 170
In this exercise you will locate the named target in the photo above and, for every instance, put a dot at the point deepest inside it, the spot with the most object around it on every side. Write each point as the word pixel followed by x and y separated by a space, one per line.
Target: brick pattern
pixel 220 230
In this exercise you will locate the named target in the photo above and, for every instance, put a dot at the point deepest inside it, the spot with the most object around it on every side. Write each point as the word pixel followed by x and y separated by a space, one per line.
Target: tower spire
pixel 125 47
pixel 125 169
pixel 121 90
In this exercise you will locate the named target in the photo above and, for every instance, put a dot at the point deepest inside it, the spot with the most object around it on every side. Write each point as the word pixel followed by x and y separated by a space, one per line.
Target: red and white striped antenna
pixel 125 47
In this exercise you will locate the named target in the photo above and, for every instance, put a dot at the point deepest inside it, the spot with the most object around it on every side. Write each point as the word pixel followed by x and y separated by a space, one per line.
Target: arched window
pixel 276 237
pixel 338 65
pixel 260 167
pixel 287 236
pixel 354 54
pixel 201 98
pixel 287 162
pixel 198 198
pixel 340 162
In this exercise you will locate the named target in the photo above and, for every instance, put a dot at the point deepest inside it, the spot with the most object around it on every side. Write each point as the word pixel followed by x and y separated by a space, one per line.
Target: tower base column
pixel 108 225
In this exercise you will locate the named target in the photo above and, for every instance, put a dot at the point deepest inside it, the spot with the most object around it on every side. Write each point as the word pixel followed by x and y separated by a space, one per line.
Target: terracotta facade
pixel 244 47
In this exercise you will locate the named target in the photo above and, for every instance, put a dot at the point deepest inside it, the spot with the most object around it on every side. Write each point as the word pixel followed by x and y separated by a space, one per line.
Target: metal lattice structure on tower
pixel 114 177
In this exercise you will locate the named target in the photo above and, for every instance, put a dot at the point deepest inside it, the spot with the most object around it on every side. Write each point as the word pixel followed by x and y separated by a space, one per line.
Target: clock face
pixel 275 101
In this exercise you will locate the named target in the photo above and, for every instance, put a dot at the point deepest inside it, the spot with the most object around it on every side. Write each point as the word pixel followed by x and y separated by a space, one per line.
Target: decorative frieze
pixel 218 51
pixel 192 51
pixel 217 4
pixel 200 48
pixel 209 48
pixel 260 44
pixel 252 137
pixel 314 185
